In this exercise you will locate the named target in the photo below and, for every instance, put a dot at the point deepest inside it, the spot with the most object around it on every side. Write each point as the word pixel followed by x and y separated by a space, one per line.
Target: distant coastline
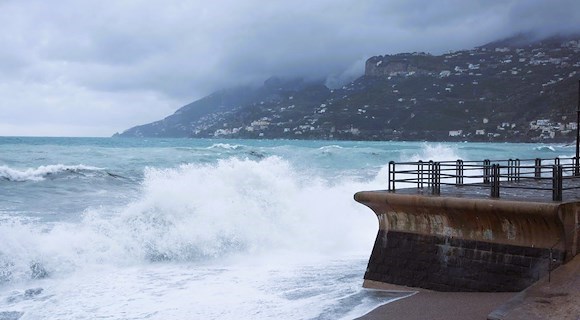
pixel 508 91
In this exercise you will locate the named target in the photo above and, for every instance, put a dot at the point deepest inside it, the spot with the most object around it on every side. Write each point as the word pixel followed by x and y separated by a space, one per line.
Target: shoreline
pixel 440 306
pixel 422 304
pixel 555 295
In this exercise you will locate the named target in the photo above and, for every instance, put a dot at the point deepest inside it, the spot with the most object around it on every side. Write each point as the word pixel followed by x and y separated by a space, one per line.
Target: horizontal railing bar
pixel 525 188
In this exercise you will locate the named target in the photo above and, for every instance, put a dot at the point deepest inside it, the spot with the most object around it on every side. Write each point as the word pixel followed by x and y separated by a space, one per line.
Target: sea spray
pixel 253 230
pixel 238 206
pixel 435 152
pixel 199 213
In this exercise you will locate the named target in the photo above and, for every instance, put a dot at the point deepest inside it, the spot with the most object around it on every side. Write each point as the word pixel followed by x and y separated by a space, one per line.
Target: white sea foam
pixel 545 148
pixel 203 212
pixel 330 147
pixel 233 239
pixel 259 290
pixel 226 146
pixel 40 173
pixel 238 239
pixel 435 152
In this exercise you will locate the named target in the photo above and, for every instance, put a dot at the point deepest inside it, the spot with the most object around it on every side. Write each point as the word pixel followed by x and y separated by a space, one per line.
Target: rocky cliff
pixel 403 64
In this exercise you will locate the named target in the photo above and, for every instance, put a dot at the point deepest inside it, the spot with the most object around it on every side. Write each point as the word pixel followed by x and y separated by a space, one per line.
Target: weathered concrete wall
pixel 451 264
pixel 455 244
pixel 569 214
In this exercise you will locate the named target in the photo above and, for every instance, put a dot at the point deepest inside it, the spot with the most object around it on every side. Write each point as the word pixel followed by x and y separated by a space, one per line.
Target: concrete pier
pixel 463 242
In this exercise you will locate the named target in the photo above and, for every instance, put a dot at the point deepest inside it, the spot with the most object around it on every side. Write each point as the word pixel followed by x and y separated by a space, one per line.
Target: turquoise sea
pixel 114 228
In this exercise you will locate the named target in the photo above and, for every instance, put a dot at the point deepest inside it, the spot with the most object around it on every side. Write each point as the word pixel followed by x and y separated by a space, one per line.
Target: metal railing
pixel 529 174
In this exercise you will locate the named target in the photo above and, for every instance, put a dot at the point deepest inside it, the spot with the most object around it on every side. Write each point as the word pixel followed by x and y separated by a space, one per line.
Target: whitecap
pixel 225 146
pixel 40 173
pixel 545 148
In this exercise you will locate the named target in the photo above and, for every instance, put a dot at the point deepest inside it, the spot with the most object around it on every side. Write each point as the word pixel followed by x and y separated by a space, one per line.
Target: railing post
pixel 486 170
pixel 438 190
pixel 514 170
pixel 436 178
pixel 538 168
pixel 510 170
pixel 420 174
pixel 430 174
pixel 495 181
pixel 459 172
pixel 560 182
pixel 557 182
pixel 391 176
pixel 431 177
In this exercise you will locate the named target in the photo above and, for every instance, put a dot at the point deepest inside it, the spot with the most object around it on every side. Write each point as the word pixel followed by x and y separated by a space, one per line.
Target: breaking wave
pixel 545 148
pixel 330 147
pixel 43 172
pixel 200 212
pixel 225 146
pixel 435 152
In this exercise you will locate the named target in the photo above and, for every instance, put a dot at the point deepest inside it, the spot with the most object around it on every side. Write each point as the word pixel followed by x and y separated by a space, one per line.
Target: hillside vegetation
pixel 512 90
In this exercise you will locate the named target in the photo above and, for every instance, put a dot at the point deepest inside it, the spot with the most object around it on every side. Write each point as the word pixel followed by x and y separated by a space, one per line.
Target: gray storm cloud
pixel 94 67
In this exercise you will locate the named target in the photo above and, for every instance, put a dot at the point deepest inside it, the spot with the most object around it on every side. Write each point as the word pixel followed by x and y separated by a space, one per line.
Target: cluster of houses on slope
pixel 504 126
pixel 548 129
pixel 544 128
pixel 516 58
pixel 514 61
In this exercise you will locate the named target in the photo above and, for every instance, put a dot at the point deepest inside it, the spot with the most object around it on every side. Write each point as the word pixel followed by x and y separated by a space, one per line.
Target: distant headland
pixel 514 90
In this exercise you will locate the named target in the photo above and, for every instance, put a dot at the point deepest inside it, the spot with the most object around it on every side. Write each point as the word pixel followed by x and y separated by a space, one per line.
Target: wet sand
pixel 440 306
pixel 554 297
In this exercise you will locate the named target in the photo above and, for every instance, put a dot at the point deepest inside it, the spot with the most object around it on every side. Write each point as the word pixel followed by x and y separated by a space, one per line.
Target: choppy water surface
pixel 197 229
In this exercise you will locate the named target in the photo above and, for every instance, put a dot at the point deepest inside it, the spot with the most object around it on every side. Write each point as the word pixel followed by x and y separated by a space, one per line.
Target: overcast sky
pixel 95 67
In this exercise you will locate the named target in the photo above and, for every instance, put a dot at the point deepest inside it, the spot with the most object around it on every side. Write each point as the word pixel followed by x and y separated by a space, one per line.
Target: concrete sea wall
pixel 461 244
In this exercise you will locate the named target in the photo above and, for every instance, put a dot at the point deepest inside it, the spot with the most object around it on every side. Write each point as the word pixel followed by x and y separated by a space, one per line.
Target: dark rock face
pixel 404 64
pixel 449 264
pixel 380 67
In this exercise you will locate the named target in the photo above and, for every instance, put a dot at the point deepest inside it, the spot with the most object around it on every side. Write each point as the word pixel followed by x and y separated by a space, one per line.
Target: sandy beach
pixel 440 306
pixel 426 304
pixel 554 297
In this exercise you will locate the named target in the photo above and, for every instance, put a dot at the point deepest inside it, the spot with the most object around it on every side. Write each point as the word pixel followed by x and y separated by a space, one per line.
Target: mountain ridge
pixel 501 91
